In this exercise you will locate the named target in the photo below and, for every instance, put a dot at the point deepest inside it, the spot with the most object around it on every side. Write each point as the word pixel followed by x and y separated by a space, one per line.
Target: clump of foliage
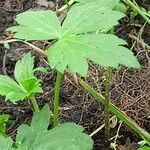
pixel 37 137
pixel 77 39
pixel 26 84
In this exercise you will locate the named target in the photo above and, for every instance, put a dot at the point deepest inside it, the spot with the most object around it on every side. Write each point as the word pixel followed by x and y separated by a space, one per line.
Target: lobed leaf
pixel 11 89
pixel 24 68
pixel 90 17
pixel 67 136
pixel 36 25
pixel 24 74
pixel 77 41
pixel 104 49
pixel 27 84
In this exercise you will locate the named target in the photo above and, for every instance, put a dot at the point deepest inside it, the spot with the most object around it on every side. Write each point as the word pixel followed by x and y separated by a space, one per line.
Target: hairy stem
pixel 106 106
pixel 34 104
pixel 137 8
pixel 56 97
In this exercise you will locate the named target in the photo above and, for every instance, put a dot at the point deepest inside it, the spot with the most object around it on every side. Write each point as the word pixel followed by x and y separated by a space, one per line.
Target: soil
pixel 130 89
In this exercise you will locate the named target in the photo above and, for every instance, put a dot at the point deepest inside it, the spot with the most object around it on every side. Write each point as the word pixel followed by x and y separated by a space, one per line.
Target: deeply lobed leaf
pixel 77 41
pixel 37 25
pixel 104 49
pixel 11 89
pixel 90 17
pixel 26 85
pixel 67 136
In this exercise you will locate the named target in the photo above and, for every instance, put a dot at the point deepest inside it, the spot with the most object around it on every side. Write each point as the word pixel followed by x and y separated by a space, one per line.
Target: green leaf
pixel 120 7
pixel 24 68
pixel 25 77
pixel 78 42
pixel 37 25
pixel 104 49
pixel 90 17
pixel 27 84
pixel 68 136
pixel 3 121
pixel 109 3
pixel 11 89
pixel 6 143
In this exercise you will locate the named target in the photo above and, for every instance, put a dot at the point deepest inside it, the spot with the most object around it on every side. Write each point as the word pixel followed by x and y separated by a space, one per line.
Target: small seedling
pixel 26 84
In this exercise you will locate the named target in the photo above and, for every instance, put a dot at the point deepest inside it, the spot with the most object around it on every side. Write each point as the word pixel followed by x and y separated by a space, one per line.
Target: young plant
pixel 68 136
pixel 76 41
pixel 25 86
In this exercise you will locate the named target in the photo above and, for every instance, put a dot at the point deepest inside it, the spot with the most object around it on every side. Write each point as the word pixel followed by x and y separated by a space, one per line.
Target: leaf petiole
pixel 34 104
pixel 56 97
pixel 106 106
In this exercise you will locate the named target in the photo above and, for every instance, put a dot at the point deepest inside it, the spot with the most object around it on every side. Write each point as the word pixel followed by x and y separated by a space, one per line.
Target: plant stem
pixel 137 8
pixel 34 104
pixel 121 115
pixel 56 97
pixel 99 98
pixel 106 106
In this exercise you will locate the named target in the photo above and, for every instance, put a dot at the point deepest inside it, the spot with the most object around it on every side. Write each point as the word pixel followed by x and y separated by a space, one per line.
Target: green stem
pixel 137 8
pixel 106 106
pixel 34 104
pixel 121 115
pixel 56 97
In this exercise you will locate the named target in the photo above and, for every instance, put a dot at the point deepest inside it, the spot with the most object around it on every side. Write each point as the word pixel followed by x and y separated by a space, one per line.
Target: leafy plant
pixel 68 136
pixel 72 47
pixel 26 84
pixel 76 42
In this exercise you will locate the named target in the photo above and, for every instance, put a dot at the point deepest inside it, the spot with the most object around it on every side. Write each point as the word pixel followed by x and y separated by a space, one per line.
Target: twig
pixel 40 51
pixel 140 42
pixel 101 127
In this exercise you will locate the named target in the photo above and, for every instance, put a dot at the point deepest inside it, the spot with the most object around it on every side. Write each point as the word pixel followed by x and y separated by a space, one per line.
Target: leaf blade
pixel 44 26
pixel 67 136
pixel 90 17
pixel 11 89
